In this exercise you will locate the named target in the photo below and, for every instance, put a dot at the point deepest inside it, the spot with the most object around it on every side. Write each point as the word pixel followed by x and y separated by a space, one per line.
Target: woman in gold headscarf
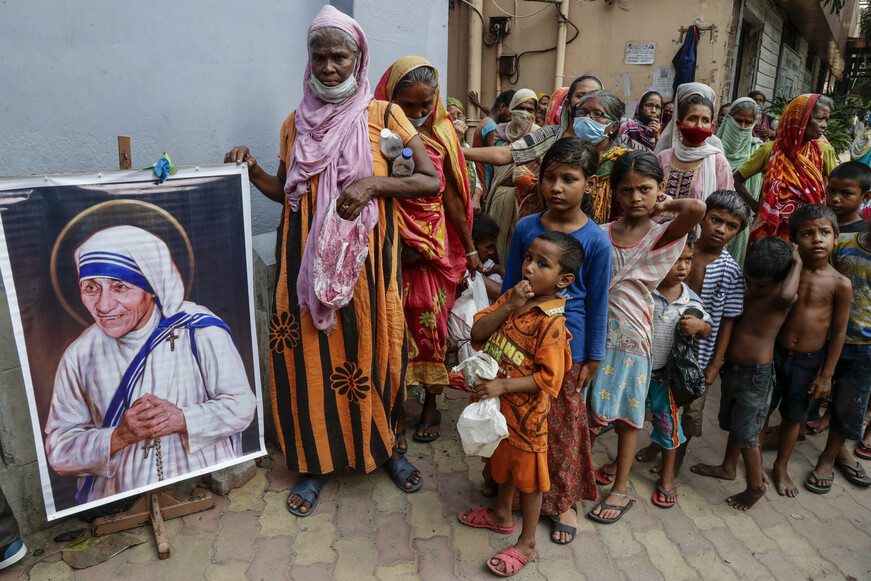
pixel 436 233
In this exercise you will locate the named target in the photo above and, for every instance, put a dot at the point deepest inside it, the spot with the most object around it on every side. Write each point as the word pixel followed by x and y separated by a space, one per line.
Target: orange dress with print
pixel 534 342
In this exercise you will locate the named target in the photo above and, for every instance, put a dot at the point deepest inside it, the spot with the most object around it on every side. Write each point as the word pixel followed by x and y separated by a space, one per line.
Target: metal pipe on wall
pixel 560 61
pixel 476 45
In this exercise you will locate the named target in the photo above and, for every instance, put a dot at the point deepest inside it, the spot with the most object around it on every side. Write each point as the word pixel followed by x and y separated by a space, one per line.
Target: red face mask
pixel 694 135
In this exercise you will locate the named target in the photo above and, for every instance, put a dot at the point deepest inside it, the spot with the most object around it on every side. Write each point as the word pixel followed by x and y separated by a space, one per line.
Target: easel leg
pixel 160 537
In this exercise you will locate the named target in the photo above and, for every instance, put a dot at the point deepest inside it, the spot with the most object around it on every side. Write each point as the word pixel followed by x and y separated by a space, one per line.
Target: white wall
pixel 397 28
pixel 191 78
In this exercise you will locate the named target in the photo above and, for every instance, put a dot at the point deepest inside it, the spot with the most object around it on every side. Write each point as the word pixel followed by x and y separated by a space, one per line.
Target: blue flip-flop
pixel 309 489
pixel 400 471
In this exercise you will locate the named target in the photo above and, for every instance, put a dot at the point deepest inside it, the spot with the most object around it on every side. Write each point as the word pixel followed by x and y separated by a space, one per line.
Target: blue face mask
pixel 421 121
pixel 586 128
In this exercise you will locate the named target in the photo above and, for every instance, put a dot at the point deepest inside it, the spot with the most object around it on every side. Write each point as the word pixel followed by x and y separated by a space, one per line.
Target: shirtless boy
pixel 803 362
pixel 771 273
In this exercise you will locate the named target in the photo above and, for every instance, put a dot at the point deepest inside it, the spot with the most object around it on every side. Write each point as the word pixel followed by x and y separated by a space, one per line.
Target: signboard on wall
pixel 789 74
pixel 640 53
pixel 132 310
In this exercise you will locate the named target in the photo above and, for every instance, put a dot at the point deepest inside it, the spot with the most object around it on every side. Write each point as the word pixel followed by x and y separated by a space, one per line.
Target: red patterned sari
pixel 794 176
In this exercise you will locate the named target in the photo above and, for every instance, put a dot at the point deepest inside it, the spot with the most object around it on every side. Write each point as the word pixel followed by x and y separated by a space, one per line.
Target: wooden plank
pixel 125 155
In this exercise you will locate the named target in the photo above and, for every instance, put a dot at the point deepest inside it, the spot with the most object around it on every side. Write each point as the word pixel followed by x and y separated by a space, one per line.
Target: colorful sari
pixel 605 207
pixel 429 288
pixel 555 106
pixel 794 175
pixel 635 132
pixel 334 396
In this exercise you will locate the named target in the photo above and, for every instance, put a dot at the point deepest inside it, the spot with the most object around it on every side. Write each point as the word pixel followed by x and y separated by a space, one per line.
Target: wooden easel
pixel 154 506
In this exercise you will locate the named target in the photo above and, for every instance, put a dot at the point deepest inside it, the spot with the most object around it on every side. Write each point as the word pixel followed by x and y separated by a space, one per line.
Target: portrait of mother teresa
pixel 155 388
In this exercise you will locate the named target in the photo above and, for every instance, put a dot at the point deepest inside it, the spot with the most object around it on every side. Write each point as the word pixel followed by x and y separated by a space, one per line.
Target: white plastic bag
pixel 473 300
pixel 481 425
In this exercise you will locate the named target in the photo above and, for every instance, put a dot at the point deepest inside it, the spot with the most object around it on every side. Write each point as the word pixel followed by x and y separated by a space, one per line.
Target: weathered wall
pixel 600 48
pixel 191 78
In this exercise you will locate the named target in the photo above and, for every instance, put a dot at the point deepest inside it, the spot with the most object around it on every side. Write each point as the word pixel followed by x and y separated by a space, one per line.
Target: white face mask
pixel 422 120
pixel 335 94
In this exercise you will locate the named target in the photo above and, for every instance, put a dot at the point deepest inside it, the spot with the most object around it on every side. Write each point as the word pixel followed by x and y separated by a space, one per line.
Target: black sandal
pixel 558 527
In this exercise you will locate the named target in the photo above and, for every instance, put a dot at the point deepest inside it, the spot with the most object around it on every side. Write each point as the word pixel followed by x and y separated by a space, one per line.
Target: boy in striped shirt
pixel 719 282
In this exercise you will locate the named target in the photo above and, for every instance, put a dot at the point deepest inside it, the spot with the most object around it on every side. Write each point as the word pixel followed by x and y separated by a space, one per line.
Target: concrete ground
pixel 366 528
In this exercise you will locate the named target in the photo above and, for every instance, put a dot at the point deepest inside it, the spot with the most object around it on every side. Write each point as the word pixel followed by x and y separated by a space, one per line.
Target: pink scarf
pixel 332 142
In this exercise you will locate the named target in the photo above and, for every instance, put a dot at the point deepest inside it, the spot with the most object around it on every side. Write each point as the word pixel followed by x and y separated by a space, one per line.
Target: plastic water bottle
pixel 390 144
pixel 404 166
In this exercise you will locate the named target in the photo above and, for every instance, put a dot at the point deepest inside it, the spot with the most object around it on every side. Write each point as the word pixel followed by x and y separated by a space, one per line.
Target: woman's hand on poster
pixel 239 155
pixel 133 426
pixel 164 417
pixel 354 199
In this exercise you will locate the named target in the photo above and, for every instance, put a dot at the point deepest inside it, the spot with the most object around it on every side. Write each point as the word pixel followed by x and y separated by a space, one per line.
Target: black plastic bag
pixel 685 376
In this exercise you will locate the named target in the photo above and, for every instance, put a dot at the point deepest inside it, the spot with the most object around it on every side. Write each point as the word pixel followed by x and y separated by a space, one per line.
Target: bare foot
pixel 713 471
pixel 818 426
pixel 570 519
pixel 429 428
pixel 748 498
pixel 610 513
pixel 765 478
pixel 783 483
pixel 649 453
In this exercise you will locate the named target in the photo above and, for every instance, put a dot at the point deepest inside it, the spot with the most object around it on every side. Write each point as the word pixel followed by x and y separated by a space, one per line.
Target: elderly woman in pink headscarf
pixel 338 366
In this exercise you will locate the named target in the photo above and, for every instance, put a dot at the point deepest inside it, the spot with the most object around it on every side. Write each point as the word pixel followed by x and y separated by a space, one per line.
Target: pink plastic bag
pixel 339 256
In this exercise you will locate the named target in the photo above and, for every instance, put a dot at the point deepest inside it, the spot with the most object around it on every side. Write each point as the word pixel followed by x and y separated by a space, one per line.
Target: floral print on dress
pixel 283 332
pixel 348 379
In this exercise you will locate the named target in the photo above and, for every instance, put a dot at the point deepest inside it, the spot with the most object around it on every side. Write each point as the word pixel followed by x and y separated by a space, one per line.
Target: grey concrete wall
pixel 191 78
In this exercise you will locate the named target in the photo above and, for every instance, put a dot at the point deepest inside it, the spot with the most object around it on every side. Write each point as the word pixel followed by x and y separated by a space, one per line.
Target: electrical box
pixel 507 65
pixel 498 27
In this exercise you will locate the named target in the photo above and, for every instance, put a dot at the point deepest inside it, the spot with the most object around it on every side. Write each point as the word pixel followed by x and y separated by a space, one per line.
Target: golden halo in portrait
pixel 126 212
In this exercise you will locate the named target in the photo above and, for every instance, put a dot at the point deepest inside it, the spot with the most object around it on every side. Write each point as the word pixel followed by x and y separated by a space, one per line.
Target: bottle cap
pixel 385 133
pixel 407 153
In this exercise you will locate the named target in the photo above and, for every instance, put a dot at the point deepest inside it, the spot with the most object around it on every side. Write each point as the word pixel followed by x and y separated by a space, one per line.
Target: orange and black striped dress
pixel 335 397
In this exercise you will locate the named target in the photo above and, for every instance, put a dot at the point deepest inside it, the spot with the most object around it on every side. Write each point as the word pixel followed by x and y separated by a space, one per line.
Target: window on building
pixel 789 36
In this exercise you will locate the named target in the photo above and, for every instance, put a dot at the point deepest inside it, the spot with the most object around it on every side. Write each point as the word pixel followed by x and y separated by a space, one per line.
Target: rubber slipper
pixel 309 489
pixel 513 559
pixel 480 519
pixel 851 472
pixel 863 451
pixel 660 495
pixel 400 471
pixel 558 527
pixel 603 477
pixel 422 427
pixel 817 486
pixel 605 506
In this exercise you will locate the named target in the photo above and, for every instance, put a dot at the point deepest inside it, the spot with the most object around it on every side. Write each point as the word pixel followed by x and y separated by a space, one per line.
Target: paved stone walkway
pixel 365 528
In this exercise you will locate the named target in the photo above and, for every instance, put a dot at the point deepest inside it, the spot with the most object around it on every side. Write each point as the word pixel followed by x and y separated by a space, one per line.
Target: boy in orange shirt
pixel 525 333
